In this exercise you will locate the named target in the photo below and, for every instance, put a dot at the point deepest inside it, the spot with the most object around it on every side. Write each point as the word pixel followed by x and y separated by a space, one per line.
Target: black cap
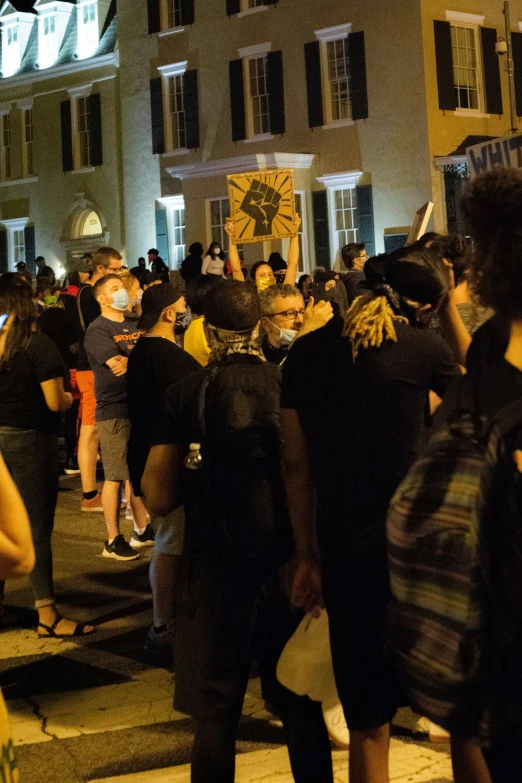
pixel 155 299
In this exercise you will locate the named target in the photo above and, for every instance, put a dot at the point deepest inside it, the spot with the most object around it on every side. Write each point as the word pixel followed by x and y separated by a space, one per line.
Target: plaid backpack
pixel 439 616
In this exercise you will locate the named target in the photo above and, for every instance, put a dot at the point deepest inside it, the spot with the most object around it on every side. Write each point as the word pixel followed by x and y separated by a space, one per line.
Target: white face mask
pixel 286 336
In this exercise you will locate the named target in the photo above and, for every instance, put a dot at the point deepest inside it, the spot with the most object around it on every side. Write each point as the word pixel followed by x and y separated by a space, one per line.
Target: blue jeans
pixel 32 460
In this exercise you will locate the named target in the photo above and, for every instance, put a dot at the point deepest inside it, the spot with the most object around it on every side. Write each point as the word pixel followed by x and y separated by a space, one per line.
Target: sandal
pixel 51 629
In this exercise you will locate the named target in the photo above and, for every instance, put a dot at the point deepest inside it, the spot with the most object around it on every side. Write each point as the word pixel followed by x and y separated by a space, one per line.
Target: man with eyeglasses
pixel 284 318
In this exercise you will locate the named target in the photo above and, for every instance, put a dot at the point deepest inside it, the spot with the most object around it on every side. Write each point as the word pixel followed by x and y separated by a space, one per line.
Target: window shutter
pixel 270 2
pixel 162 237
pixel 190 90
pixel 359 87
pixel 187 12
pixel 314 85
pixel 30 247
pixel 4 261
pixel 516 40
pixel 233 7
pixel 321 228
pixel 156 109
pixel 444 60
pixel 237 100
pixel 95 123
pixel 67 140
pixel 153 9
pixel 490 59
pixel 365 216
pixel 276 93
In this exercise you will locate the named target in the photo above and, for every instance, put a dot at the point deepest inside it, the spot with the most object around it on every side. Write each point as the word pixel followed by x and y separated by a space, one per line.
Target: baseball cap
pixel 155 299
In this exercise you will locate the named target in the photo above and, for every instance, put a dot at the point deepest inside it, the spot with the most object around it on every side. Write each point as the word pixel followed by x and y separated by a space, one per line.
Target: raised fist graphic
pixel 262 204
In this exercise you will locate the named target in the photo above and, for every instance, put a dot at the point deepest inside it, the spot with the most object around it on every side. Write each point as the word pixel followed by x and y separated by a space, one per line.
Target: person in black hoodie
pixel 191 266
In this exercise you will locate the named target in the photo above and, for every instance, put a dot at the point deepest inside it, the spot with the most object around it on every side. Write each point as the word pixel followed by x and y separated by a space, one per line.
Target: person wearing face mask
pixel 108 343
pixel 284 318
pixel 155 364
pixel 214 261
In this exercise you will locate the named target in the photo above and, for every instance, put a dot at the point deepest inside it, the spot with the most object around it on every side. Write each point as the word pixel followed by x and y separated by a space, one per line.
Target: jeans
pixel 32 460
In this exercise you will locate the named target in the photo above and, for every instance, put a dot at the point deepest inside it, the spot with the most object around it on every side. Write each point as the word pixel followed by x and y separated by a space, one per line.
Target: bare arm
pixel 452 325
pixel 16 543
pixel 293 256
pixel 56 398
pixel 162 479
pixel 233 255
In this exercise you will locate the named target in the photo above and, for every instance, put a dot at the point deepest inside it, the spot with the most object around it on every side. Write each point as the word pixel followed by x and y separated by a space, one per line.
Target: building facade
pixel 122 127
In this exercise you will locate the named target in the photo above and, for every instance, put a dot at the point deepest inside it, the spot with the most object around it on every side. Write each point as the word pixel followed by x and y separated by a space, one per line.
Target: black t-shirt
pixel 48 273
pixel 154 365
pixel 60 326
pixel 105 339
pixel 489 343
pixel 90 311
pixel 191 267
pixel 363 421
pixel 274 355
pixel 22 402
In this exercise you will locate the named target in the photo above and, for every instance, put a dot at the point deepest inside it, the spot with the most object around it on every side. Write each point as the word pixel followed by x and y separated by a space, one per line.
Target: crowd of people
pixel 256 428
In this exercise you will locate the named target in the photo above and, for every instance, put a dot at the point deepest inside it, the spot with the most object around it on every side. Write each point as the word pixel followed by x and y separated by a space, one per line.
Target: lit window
pixel 88 30
pixel 346 217
pixel 466 73
pixel 174 18
pixel 258 94
pixel 176 103
pixel 177 236
pixel 83 133
pixel 338 78
pixel 11 54
pixel 50 41
pixel 18 246
pixel 28 146
pixel 12 35
pixel 254 3
pixel 219 212
pixel 5 156
pixel 300 208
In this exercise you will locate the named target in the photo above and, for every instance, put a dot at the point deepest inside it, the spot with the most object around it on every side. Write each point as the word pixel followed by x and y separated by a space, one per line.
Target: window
pixel 466 68
pixel 174 18
pixel 5 161
pixel 346 218
pixel 11 54
pixel 50 40
pixel 28 150
pixel 18 246
pixel 253 3
pixel 15 228
pixel 88 30
pixel 259 111
pixel 83 133
pixel 176 104
pixel 300 208
pixel 219 212
pixel 338 79
pixel 177 236
pixel 12 35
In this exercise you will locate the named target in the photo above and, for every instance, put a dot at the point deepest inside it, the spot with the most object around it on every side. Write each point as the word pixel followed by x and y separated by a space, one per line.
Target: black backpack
pixel 237 499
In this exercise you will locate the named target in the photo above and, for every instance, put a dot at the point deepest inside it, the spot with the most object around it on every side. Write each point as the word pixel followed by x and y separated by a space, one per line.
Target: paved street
pixel 98 710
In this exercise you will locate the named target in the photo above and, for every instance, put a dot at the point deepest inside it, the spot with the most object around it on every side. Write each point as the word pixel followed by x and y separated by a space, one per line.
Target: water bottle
pixel 194 460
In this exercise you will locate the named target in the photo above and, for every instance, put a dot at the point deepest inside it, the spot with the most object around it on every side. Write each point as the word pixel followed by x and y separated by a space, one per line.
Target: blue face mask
pixel 286 336
pixel 120 300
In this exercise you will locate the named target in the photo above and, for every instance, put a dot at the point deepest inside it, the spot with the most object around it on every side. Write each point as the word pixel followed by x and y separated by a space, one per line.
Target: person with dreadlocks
pixel 353 401
pixel 237 534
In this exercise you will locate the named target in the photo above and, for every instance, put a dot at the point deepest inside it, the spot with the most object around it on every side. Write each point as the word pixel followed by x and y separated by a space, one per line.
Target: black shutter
pixel 30 247
pixel 237 100
pixel 67 139
pixel 321 228
pixel 162 235
pixel 444 60
pixel 365 216
pixel 156 110
pixel 490 58
pixel 233 7
pixel 190 90
pixel 270 2
pixel 95 127
pixel 314 84
pixel 359 87
pixel 153 9
pixel 516 40
pixel 187 12
pixel 276 93
pixel 4 261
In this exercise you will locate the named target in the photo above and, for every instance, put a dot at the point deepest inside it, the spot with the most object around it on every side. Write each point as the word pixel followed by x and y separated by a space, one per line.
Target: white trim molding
pixel 172 202
pixel 83 91
pixel 172 31
pixel 255 51
pixel 259 137
pixel 344 179
pixel 333 33
pixel 344 123
pixel 23 181
pixel 60 70
pixel 463 18
pixel 174 69
pixel 449 160
pixel 255 10
pixel 25 103
pixel 243 163
pixel 15 224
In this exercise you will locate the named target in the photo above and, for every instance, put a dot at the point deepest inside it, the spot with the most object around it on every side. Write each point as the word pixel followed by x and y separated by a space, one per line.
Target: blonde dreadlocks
pixel 369 321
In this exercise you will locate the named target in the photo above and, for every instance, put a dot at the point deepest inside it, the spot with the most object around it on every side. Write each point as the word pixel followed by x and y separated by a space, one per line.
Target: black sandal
pixel 78 631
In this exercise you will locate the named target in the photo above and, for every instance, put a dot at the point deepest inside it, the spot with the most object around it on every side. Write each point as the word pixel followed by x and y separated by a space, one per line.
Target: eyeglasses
pixel 290 314
pixel 115 270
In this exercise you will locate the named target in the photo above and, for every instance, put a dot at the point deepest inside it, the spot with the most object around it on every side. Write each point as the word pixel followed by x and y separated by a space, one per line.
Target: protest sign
pixel 262 205
pixel 505 152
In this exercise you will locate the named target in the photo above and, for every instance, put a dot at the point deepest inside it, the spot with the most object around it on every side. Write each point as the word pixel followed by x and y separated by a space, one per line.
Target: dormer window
pixel 53 18
pixel 88 28
pixel 12 36
pixel 50 42
pixel 16 28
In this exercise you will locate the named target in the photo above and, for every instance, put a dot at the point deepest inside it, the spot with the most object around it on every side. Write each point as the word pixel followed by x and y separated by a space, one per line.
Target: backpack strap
pixel 201 408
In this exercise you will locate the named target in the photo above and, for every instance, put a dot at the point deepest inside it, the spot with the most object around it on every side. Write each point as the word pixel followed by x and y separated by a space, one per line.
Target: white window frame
pixel 247 54
pixel 6 157
pixel 76 94
pixel 304 255
pixel 223 238
pixel 481 110
pixel 246 9
pixel 12 227
pixel 86 47
pixel 12 54
pixel 60 11
pixel 167 72
pixel 347 180
pixel 325 36
pixel 174 205
pixel 28 167
pixel 164 16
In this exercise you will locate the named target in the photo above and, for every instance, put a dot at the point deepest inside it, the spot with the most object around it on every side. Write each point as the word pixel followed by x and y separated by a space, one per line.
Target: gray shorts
pixel 114 436
pixel 169 532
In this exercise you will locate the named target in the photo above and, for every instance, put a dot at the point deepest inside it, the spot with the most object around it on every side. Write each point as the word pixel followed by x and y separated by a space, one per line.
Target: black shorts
pixel 231 611
pixel 356 592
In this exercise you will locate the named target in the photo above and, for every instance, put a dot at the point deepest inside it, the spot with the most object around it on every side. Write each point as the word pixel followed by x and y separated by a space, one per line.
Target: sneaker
pixel 119 550
pixel 71 467
pixel 94 504
pixel 159 643
pixel 146 538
